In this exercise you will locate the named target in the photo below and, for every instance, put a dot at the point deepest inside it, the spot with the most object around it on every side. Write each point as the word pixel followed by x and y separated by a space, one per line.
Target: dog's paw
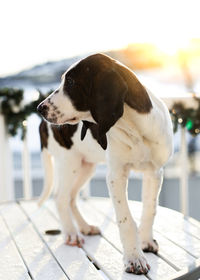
pixel 74 240
pixel 150 246
pixel 137 265
pixel 90 230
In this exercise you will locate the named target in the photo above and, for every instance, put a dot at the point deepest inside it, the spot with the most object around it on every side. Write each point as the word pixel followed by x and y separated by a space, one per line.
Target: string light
pixel 186 117
pixel 24 123
pixel 36 96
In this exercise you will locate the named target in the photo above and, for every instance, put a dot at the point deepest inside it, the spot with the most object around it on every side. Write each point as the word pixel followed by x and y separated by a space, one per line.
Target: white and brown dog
pixel 120 116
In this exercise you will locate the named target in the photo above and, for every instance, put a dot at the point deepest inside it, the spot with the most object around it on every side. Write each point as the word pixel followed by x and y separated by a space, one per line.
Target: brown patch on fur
pixel 63 134
pixel 124 220
pixel 43 134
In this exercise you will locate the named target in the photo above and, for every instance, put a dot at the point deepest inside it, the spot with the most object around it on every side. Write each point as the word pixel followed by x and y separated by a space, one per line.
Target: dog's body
pixel 119 112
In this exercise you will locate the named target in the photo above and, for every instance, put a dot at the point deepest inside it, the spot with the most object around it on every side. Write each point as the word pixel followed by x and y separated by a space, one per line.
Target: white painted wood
pixel 72 259
pixel 179 222
pixel 170 252
pixel 109 230
pixel 103 253
pixel 167 233
pixel 108 258
pixel 27 183
pixel 11 264
pixel 159 268
pixel 190 270
pixel 172 219
pixel 36 255
pixel 48 258
pixel 193 221
pixel 6 169
pixel 184 194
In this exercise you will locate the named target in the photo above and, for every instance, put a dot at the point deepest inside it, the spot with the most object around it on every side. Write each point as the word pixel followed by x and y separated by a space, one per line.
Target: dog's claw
pixel 91 230
pixel 74 240
pixel 138 266
pixel 150 246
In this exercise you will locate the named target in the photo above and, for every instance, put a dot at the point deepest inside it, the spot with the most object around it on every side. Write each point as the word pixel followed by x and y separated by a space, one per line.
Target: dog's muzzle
pixel 43 109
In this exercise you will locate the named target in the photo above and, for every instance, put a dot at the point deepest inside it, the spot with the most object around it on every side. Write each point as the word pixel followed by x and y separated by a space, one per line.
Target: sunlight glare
pixel 171 46
pixel 45 30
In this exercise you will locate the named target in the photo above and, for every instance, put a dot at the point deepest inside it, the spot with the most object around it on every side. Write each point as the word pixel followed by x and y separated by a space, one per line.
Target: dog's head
pixel 92 90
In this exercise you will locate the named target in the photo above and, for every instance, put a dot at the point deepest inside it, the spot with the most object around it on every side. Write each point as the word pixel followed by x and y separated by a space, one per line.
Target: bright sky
pixel 35 31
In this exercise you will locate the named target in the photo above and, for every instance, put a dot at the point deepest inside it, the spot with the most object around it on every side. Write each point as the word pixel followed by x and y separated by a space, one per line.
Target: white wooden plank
pixel 36 255
pixel 163 224
pixel 179 221
pixel 159 268
pixel 168 250
pixel 192 272
pixel 193 221
pixel 108 259
pixel 72 259
pixel 11 264
pixel 171 217
pixel 172 253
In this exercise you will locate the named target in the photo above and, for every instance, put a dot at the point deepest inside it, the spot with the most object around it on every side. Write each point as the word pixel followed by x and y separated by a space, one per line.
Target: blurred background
pixel 159 40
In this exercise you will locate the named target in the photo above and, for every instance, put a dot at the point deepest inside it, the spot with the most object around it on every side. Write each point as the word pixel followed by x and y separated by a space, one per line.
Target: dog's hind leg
pixel 66 169
pixel 152 181
pixel 85 173
pixel 48 176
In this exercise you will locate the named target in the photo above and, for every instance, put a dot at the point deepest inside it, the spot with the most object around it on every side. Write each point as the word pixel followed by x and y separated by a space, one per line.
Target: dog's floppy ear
pixel 95 132
pixel 84 129
pixel 107 102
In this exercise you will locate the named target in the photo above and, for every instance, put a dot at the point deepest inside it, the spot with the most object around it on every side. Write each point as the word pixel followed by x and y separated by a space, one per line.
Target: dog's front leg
pixel 134 259
pixel 152 181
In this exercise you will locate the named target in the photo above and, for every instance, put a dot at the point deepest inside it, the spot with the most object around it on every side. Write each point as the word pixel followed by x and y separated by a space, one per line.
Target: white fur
pixel 142 142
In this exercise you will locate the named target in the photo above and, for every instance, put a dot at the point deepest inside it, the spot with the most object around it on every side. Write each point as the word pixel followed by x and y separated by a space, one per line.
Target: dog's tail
pixel 48 176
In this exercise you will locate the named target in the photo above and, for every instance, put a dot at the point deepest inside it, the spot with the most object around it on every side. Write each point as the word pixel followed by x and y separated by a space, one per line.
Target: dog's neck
pixel 127 121
pixel 130 128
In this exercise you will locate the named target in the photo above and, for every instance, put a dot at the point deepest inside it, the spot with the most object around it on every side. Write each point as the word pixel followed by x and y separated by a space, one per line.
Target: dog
pixel 101 111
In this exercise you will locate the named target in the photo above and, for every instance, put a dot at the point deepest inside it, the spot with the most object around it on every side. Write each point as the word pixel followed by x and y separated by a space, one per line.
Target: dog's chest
pixel 129 147
pixel 89 148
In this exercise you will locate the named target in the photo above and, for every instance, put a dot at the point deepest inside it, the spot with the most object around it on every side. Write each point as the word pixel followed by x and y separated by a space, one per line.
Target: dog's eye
pixel 70 81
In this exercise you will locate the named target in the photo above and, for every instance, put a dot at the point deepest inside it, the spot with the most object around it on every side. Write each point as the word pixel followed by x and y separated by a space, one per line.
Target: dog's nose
pixel 42 109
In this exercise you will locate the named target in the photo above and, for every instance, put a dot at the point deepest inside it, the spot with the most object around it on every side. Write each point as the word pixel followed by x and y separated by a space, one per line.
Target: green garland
pixel 15 113
pixel 188 118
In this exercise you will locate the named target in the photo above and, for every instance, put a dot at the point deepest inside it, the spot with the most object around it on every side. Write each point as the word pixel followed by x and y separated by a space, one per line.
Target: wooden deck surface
pixel 28 253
